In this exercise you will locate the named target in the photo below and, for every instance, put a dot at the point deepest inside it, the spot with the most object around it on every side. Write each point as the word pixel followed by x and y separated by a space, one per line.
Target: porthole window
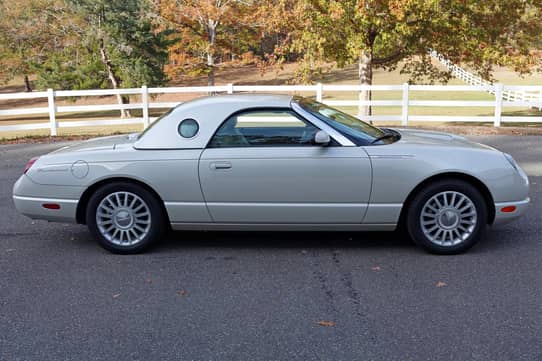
pixel 188 128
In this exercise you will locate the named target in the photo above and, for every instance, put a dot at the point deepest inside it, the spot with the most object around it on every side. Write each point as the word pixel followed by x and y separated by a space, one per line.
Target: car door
pixel 262 166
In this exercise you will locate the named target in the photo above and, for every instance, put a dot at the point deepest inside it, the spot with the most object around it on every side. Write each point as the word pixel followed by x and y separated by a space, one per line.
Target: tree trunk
pixel 27 86
pixel 211 73
pixel 210 53
pixel 365 78
pixel 115 81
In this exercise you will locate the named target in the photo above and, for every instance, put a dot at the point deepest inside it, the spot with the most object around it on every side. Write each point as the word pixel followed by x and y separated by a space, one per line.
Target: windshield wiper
pixel 385 136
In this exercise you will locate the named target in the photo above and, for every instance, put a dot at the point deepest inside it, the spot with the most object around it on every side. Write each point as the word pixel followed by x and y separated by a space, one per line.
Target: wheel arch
pixel 81 211
pixel 477 183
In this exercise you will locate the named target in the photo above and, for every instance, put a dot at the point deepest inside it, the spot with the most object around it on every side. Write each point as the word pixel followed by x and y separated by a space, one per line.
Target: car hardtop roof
pixel 209 112
pixel 251 100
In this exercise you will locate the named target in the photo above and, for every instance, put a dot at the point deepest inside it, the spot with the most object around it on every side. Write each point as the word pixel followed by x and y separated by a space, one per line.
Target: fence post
pixel 230 88
pixel 498 104
pixel 319 92
pixel 404 105
pixel 145 106
pixel 52 111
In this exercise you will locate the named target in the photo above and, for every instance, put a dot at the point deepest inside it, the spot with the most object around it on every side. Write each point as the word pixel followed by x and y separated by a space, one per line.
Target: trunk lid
pixel 102 143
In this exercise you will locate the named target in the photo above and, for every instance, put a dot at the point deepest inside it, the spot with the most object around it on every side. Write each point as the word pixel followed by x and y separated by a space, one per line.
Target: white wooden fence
pixel 146 94
pixel 519 95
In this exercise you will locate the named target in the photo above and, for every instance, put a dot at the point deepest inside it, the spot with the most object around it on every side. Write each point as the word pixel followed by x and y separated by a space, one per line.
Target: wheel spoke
pixel 454 196
pixel 448 218
pixel 128 236
pixel 425 214
pixel 457 234
pixel 112 205
pixel 430 221
pixel 117 199
pixel 110 210
pixel 123 218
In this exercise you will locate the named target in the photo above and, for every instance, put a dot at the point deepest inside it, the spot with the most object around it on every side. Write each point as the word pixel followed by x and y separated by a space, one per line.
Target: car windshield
pixel 356 130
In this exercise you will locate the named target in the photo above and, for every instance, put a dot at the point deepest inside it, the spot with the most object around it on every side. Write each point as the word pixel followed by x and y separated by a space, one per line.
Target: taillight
pixel 30 164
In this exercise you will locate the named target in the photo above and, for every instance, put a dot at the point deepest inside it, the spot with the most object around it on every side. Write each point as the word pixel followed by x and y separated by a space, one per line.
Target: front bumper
pixel 505 217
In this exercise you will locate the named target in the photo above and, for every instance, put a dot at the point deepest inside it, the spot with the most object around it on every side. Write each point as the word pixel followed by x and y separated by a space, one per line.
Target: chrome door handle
pixel 220 165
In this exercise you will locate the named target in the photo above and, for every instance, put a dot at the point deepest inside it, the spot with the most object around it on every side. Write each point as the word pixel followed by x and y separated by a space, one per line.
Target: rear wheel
pixel 125 218
pixel 447 217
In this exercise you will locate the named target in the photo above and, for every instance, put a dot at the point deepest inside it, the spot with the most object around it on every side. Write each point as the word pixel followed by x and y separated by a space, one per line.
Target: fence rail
pixel 403 101
pixel 519 94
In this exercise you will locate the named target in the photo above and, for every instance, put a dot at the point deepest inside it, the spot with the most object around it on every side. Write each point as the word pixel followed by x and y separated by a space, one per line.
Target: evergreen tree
pixel 116 44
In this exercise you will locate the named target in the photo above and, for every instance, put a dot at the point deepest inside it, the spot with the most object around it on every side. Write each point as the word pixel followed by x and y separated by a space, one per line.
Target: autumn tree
pixel 383 33
pixel 116 44
pixel 207 31
pixel 28 34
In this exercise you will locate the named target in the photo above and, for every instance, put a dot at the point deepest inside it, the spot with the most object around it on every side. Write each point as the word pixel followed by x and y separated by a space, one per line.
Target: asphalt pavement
pixel 269 296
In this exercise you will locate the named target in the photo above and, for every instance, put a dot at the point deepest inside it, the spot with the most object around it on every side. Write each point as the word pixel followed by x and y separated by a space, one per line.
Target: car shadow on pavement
pixel 493 241
pixel 177 241
pixel 232 239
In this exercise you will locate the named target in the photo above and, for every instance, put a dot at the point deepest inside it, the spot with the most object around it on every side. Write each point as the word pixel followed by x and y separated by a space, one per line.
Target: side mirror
pixel 322 138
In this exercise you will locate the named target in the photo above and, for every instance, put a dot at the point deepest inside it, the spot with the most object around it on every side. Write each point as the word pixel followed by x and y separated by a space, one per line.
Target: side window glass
pixel 188 128
pixel 264 128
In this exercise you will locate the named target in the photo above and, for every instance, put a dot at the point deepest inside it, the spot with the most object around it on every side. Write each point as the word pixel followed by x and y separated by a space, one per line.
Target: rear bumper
pixel 505 217
pixel 29 198
pixel 33 207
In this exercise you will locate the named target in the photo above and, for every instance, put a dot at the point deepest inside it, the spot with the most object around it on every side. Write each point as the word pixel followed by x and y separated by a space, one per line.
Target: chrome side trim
pixel 36 199
pixel 386 204
pixel 517 203
pixel 302 227
pixel 187 211
pixel 168 203
pixel 383 213
pixel 344 141
pixel 264 204
pixel 392 156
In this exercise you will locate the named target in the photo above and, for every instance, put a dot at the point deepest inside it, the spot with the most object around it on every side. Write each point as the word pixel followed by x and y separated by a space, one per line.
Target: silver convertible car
pixel 274 162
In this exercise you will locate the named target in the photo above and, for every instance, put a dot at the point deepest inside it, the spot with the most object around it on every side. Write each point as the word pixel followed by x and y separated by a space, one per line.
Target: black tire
pixel 414 217
pixel 156 226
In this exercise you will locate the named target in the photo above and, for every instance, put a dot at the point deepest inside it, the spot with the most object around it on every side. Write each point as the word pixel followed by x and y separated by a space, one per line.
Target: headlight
pixel 516 166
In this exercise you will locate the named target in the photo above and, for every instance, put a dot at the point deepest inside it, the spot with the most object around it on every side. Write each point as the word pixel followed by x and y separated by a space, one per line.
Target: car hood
pixel 96 144
pixel 432 138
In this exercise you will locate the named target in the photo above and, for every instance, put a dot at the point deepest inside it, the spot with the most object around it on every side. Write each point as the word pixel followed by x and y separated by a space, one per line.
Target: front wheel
pixel 125 218
pixel 447 217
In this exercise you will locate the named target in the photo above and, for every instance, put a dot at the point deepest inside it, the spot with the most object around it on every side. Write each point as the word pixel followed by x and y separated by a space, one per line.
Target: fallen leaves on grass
pixel 325 323
pixel 441 284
